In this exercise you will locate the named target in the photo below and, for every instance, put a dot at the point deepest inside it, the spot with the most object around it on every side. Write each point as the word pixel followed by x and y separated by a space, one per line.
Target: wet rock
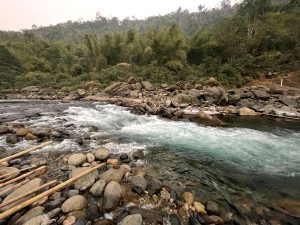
pixel 154 186
pixel 135 219
pixel 39 220
pixel 30 137
pixel 114 174
pixel 34 183
pixel 216 219
pixel 22 132
pixel 54 212
pixel 148 86
pixel 101 153
pixel 138 154
pixel 124 158
pixel 11 138
pixel 86 181
pixel 212 207
pixel 77 202
pixel 139 184
pixel 55 203
pixel 4 130
pixel 30 214
pixel 247 112
pixel 15 161
pixel 92 212
pixel 112 195
pixel 41 132
pixel 188 197
pixel 203 118
pixel 90 157
pixel 79 140
pixel 199 207
pixel 77 159
pixel 98 188
pixel 193 221
pixel 72 193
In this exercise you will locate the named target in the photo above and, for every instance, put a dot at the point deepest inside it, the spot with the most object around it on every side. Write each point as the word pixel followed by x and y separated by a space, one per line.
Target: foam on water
pixel 246 149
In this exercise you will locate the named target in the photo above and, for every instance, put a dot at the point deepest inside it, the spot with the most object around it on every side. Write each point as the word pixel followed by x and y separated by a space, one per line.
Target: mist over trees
pixel 232 43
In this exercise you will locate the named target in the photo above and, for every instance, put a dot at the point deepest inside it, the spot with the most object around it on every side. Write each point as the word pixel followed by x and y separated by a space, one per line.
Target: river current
pixel 252 160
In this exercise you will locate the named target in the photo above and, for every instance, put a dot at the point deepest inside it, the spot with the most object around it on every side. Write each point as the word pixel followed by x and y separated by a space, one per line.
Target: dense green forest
pixel 232 43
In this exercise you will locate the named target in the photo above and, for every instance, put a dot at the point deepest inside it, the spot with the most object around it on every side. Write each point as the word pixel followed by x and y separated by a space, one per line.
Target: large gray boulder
pixel 215 95
pixel 86 181
pixel 112 195
pixel 148 86
pixel 118 88
pixel 182 100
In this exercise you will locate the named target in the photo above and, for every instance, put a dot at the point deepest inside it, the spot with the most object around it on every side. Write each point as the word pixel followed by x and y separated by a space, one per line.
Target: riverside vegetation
pixel 235 44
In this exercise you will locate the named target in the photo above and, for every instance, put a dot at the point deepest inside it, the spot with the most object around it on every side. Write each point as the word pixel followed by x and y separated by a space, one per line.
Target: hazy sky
pixel 19 14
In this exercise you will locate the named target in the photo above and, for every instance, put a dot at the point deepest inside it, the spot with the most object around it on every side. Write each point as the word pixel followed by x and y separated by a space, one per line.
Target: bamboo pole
pixel 38 171
pixel 47 193
pixel 27 193
pixel 13 187
pixel 11 174
pixel 25 151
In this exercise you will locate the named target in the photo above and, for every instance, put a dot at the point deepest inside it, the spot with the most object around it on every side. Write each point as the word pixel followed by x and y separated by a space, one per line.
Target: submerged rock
pixel 11 139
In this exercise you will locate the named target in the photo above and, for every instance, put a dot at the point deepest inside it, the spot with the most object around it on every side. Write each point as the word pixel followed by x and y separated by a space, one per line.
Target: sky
pixel 22 14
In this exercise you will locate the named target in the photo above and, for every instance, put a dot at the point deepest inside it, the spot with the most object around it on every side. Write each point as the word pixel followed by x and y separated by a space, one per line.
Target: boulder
pixel 139 184
pixel 118 88
pixel 138 154
pixel 203 118
pixel 212 207
pixel 154 185
pixel 98 188
pixel 261 95
pixel 41 132
pixel 81 92
pixel 75 203
pixel 212 82
pixel 34 183
pixel 148 86
pixel 135 219
pixel 112 195
pixel 77 159
pixel 247 112
pixel 30 89
pixel 134 94
pixel 181 100
pixel 102 153
pixel 22 132
pixel 4 130
pixel 39 220
pixel 215 95
pixel 39 210
pixel 114 174
pixel 11 139
pixel 132 80
pixel 86 181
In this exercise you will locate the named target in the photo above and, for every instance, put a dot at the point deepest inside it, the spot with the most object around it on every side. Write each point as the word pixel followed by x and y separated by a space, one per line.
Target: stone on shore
pixel 203 118
pixel 102 153
pixel 112 195
pixel 245 111
pixel 30 137
pixel 114 174
pixel 139 184
pixel 39 210
pixel 90 157
pixel 75 203
pixel 212 207
pixel 22 132
pixel 199 207
pixel 97 188
pixel 148 86
pixel 39 220
pixel 188 197
pixel 34 183
pixel 77 159
pixel 135 219
pixel 86 181
pixel 4 130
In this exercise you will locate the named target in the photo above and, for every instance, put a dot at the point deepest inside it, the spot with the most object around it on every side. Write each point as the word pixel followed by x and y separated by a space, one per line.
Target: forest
pixel 233 43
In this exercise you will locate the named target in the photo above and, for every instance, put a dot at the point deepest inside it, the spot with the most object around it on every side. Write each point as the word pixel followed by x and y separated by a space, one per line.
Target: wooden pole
pixel 13 173
pixel 47 193
pixel 27 193
pixel 25 151
pixel 13 187
pixel 38 171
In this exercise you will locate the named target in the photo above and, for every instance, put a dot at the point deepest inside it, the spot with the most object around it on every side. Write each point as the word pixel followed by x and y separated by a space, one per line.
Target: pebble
pixel 90 157
pixel 11 139
pixel 72 192
pixel 199 207
pixel 69 220
pixel 54 212
pixel 98 188
pixel 76 159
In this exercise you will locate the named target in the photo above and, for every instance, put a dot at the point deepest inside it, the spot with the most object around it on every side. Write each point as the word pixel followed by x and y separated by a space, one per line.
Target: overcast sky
pixel 20 14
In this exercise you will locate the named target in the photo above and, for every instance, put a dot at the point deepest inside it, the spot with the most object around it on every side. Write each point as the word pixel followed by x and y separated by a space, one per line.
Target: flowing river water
pixel 247 165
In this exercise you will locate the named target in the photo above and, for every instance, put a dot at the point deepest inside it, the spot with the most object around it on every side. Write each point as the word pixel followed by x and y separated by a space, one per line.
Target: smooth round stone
pixel 77 202
pixel 102 153
pixel 77 159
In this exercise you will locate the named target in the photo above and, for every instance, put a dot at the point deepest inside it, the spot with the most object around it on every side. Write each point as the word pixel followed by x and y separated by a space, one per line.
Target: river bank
pixel 180 101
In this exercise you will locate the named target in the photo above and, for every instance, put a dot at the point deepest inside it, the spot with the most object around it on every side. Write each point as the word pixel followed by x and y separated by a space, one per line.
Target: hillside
pixel 234 44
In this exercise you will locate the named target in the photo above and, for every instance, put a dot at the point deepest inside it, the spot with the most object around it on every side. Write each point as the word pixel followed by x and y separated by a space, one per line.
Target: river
pixel 245 165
